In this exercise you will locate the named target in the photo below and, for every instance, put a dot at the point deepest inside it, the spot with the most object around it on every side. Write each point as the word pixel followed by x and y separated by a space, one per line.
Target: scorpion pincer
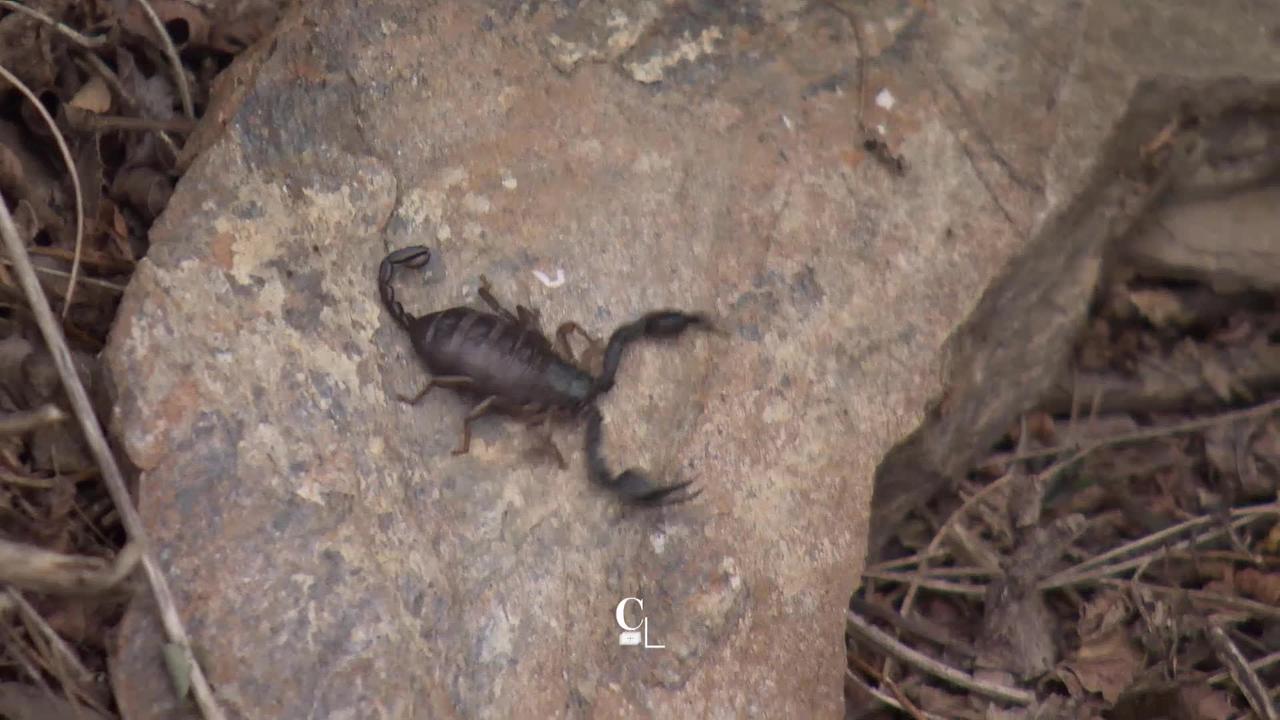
pixel 505 362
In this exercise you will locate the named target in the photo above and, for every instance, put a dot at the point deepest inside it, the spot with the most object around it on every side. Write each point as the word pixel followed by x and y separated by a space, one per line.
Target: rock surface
pixel 333 559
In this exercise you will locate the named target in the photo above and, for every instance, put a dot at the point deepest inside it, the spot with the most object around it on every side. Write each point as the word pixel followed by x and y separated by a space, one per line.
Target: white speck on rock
pixel 786 121
pixel 509 181
pixel 548 281
pixel 885 99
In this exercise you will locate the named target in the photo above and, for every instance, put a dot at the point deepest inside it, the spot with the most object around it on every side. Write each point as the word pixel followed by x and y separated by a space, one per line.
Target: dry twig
pixel 46 571
pixel 1095 567
pixel 1245 678
pixel 62 654
pixel 75 180
pixel 1149 433
pixel 111 474
pixel 28 420
pixel 892 646
pixel 170 52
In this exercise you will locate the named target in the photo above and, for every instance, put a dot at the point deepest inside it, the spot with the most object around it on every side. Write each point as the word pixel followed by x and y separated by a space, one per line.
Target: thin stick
pixel 85 40
pixel 24 481
pixel 960 512
pixel 57 645
pixel 104 284
pixel 111 474
pixel 1093 568
pixel 171 52
pixel 54 573
pixel 122 122
pixel 1144 434
pixel 906 705
pixel 126 99
pixel 891 645
pixel 930 583
pixel 1259 664
pixel 75 181
pixel 1244 676
pixel 28 420
pixel 883 696
pixel 1204 596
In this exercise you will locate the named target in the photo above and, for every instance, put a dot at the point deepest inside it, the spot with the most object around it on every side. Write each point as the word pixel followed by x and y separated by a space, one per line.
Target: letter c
pixel 620 613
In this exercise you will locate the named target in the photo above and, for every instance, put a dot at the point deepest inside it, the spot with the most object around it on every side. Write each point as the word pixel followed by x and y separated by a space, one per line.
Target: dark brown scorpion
pixel 508 365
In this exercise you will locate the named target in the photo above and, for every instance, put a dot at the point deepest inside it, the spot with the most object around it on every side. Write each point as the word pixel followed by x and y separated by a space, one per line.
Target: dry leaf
pixel 1271 544
pixel 1218 377
pixel 1205 703
pixel 11 174
pixel 1161 308
pixel 1107 660
pixel 1106 664
pixel 145 189
pixel 93 96
pixel 1263 587
pixel 184 23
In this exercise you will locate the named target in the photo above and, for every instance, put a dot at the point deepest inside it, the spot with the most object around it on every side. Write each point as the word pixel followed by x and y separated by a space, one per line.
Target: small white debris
pixel 548 281
pixel 880 129
pixel 787 122
pixel 885 99
pixel 509 181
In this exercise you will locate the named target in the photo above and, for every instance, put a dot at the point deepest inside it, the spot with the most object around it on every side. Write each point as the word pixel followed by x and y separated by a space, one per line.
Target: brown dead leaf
pixel 1258 585
pixel 1205 703
pixel 185 24
pixel 940 702
pixel 1106 664
pixel 1160 307
pixel 11 175
pixel 94 96
pixel 1271 544
pixel 145 189
pixel 1107 660
pixel 24 50
pixel 1219 378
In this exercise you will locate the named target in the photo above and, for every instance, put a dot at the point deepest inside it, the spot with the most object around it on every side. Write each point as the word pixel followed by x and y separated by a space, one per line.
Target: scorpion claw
pixel 638 490
pixel 414 256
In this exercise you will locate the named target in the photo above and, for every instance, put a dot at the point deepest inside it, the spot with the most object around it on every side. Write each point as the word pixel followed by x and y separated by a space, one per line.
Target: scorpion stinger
pixel 632 484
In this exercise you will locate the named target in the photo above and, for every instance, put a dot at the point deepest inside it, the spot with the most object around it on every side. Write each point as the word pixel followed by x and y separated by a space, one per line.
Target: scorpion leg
pixel 449 381
pixel 546 440
pixel 523 316
pixel 481 408
pixel 563 346
pixel 485 291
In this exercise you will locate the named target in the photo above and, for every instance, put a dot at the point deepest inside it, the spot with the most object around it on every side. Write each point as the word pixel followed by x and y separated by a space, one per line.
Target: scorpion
pixel 507 364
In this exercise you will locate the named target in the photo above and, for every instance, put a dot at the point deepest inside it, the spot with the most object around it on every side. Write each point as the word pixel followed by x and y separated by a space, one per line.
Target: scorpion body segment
pixel 505 361
pixel 511 362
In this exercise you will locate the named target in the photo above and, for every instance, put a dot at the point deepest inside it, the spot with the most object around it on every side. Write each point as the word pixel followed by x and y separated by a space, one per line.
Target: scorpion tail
pixel 631 484
pixel 657 324
pixel 414 256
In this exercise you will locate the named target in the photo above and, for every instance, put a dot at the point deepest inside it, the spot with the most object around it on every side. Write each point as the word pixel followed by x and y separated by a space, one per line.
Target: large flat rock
pixel 331 557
